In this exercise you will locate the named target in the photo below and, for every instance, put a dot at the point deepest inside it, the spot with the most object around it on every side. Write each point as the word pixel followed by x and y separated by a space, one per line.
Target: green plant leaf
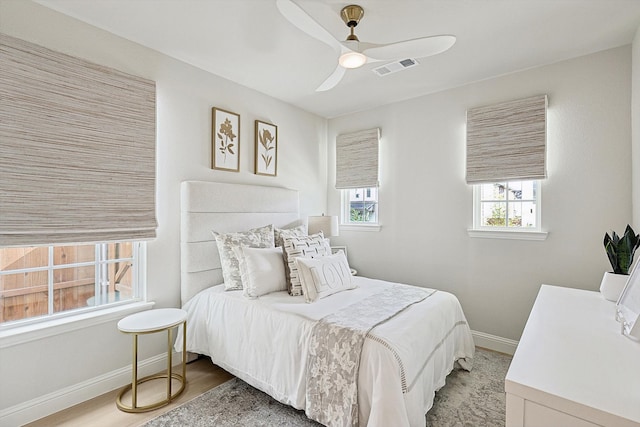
pixel 615 238
pixel 621 250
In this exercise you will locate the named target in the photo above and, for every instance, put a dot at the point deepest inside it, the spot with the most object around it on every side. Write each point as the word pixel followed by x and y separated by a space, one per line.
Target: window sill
pixel 510 235
pixel 360 227
pixel 35 331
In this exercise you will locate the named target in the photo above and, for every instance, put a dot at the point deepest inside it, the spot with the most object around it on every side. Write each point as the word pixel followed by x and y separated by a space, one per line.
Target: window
pixel 41 282
pixel 507 205
pixel 357 177
pixel 97 125
pixel 506 159
pixel 360 206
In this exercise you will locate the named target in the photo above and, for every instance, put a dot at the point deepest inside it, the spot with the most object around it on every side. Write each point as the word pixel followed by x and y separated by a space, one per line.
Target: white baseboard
pixel 48 404
pixel 494 342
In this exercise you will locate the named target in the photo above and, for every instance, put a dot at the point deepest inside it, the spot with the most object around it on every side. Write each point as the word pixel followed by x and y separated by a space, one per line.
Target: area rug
pixel 473 399
pixel 469 399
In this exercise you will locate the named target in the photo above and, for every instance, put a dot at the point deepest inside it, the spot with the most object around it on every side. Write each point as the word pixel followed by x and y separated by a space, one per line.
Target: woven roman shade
pixel 357 159
pixel 507 141
pixel 77 149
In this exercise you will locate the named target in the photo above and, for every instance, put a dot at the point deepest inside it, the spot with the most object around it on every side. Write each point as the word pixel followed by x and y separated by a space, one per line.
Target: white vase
pixel 612 285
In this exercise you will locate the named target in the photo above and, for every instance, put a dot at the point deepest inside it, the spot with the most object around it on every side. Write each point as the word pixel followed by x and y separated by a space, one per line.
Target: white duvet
pixel 264 342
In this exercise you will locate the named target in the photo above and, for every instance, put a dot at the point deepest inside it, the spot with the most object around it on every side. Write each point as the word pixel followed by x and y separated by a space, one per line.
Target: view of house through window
pixel 511 205
pixel 360 206
pixel 43 281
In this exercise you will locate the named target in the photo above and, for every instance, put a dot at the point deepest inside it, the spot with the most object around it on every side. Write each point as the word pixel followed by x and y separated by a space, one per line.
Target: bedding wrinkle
pixel 396 356
pixel 467 366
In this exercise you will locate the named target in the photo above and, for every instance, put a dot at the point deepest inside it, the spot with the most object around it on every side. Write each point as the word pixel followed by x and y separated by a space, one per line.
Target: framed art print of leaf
pixel 225 137
pixel 266 157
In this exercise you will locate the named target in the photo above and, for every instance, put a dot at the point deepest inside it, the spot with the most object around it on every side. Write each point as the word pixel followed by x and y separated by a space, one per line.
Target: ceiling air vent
pixel 394 67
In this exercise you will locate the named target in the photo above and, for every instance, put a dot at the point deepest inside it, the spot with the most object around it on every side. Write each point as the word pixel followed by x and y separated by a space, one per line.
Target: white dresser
pixel 572 367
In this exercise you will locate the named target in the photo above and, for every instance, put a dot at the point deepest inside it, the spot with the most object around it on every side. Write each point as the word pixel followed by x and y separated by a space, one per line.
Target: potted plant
pixel 620 251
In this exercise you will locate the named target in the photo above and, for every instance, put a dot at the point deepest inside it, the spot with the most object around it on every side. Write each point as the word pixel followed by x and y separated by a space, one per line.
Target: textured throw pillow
pixel 324 276
pixel 279 234
pixel 256 238
pixel 306 247
pixel 262 270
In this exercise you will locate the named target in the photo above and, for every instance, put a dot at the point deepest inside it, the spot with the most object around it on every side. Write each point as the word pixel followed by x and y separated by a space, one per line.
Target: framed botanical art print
pixel 225 138
pixel 266 159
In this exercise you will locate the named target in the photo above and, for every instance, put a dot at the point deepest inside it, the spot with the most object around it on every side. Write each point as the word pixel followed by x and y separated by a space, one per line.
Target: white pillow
pixel 262 270
pixel 324 276
pixel 279 234
pixel 261 237
pixel 302 246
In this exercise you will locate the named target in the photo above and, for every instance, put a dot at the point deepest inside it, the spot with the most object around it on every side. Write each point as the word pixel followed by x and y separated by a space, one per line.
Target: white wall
pixel 635 130
pixel 425 204
pixel 587 191
pixel 185 96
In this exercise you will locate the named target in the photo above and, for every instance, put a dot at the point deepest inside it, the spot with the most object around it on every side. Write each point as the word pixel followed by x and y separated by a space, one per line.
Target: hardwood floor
pixel 202 375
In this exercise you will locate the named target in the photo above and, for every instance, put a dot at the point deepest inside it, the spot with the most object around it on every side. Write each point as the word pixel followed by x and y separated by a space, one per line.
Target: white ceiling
pixel 249 42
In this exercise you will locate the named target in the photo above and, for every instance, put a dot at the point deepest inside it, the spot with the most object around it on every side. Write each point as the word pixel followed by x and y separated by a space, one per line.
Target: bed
pixel 270 342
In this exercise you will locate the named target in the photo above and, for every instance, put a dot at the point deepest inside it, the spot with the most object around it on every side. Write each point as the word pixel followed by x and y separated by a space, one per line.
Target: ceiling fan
pixel 354 53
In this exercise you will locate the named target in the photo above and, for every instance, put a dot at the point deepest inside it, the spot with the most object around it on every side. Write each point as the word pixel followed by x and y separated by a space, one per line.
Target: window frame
pixel 506 232
pixel 52 318
pixel 345 209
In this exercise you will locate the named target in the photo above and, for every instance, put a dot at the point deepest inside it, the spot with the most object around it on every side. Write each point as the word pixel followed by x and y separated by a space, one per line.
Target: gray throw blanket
pixel 335 348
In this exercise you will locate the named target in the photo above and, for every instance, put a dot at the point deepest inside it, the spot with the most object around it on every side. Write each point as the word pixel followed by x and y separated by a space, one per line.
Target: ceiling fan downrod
pixel 351 15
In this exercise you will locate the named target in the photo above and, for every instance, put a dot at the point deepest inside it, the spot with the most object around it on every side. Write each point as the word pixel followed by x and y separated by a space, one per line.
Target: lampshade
pixel 327 224
pixel 352 60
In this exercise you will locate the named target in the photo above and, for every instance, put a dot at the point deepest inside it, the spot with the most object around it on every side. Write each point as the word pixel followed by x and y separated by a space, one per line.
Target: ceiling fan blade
pixel 414 48
pixel 300 19
pixel 332 80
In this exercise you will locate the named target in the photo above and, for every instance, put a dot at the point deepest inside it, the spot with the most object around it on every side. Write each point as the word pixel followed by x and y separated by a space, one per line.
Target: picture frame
pixel 225 140
pixel 266 149
pixel 335 249
pixel 628 306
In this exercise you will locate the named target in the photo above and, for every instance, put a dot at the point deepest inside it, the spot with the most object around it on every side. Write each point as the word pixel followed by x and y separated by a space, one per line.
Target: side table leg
pixel 134 374
pixel 169 361
pixel 184 352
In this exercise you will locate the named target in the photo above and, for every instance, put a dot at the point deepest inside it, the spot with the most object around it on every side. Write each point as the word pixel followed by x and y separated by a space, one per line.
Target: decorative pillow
pixel 279 234
pixel 262 270
pixel 256 238
pixel 305 247
pixel 324 276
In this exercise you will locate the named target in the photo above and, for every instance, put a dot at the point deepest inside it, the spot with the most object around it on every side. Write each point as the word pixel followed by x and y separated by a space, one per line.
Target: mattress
pixel 263 341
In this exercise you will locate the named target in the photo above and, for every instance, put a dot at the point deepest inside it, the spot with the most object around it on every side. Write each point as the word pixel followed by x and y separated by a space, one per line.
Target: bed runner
pixel 335 348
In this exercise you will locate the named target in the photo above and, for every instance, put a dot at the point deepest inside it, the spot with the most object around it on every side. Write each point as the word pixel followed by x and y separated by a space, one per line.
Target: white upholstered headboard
pixel 224 207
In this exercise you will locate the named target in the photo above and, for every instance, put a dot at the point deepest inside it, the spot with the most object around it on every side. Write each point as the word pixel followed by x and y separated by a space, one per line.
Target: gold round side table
pixel 149 322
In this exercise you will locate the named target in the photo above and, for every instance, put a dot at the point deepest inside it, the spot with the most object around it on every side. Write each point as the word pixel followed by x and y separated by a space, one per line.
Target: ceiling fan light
pixel 352 59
